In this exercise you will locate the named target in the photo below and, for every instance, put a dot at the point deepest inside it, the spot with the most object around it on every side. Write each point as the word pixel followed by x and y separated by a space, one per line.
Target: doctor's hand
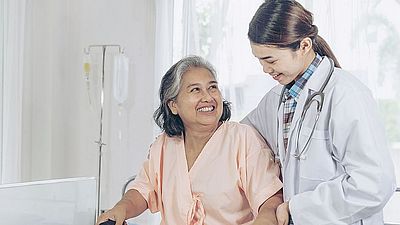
pixel 282 214
pixel 118 214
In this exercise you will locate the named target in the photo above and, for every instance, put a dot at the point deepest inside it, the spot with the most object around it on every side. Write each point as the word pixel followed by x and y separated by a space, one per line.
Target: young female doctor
pixel 321 122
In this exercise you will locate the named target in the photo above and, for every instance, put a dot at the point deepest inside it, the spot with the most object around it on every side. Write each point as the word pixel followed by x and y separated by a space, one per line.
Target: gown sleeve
pixel 258 170
pixel 147 182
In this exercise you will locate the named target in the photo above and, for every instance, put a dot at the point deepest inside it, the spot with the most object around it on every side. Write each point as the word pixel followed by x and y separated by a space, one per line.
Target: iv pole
pixel 100 142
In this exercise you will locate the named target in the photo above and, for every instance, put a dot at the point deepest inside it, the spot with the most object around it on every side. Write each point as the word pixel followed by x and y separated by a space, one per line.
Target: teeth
pixel 206 109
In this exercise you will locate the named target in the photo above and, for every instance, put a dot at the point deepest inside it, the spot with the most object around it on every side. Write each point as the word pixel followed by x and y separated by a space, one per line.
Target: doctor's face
pixel 199 101
pixel 282 64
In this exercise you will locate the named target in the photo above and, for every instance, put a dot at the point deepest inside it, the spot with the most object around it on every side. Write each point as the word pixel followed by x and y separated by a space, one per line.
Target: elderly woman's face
pixel 199 102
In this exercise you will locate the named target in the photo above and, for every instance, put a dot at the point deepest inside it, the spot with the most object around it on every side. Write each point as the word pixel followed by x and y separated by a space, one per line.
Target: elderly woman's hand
pixel 282 213
pixel 118 214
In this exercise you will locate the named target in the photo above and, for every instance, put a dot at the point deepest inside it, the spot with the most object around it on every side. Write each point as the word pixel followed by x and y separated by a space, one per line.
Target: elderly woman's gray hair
pixel 169 89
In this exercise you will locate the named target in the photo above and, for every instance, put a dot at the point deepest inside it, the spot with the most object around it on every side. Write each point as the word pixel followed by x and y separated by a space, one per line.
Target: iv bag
pixel 86 73
pixel 86 65
pixel 120 79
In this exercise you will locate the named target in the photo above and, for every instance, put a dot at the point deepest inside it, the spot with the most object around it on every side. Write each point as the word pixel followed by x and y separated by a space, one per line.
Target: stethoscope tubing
pixel 310 99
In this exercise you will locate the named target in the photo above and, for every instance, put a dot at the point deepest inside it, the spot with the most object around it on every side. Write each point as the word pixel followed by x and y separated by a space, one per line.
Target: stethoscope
pixel 317 97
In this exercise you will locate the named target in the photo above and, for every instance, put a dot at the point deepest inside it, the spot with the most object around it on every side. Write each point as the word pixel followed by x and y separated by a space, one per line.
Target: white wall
pixel 59 126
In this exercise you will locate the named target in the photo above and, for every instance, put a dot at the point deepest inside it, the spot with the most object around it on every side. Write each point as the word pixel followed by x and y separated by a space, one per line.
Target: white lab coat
pixel 347 175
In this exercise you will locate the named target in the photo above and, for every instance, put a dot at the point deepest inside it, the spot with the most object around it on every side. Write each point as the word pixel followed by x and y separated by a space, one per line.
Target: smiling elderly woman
pixel 202 169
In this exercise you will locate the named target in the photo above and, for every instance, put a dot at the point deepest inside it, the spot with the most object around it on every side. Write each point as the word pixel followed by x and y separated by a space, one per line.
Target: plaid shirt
pixel 291 95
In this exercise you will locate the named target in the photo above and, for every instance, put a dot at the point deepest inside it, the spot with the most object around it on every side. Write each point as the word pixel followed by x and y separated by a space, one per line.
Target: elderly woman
pixel 202 169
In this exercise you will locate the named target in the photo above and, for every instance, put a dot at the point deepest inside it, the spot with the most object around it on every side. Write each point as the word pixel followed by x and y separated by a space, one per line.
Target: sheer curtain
pixel 164 37
pixel 365 36
pixel 13 19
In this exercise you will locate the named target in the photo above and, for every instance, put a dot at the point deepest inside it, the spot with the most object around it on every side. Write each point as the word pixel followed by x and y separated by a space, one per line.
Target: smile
pixel 276 75
pixel 206 109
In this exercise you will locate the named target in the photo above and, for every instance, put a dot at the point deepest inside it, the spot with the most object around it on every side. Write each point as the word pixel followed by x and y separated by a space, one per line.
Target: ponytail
pixel 322 48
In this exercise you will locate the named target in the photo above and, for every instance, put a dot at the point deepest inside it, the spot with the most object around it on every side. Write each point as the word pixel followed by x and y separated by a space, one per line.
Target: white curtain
pixel 364 35
pixel 13 13
pixel 164 34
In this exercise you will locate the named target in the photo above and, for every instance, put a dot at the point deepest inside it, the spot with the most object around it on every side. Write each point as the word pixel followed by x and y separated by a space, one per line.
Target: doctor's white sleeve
pixel 264 119
pixel 359 142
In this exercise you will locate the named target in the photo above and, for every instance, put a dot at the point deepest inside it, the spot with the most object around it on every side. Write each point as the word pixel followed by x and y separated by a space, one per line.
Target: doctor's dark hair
pixel 169 90
pixel 284 23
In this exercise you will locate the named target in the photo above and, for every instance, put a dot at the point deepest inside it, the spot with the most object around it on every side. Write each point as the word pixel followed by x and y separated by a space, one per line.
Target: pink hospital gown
pixel 233 175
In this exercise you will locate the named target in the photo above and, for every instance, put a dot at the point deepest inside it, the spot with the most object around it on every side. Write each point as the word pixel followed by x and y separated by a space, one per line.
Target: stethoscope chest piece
pixel 300 156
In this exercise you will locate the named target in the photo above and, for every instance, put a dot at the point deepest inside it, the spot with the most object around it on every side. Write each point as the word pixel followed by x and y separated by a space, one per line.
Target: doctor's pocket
pixel 316 162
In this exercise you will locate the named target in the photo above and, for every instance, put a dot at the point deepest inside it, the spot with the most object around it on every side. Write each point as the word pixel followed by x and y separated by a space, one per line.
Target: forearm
pixel 267 211
pixel 133 202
